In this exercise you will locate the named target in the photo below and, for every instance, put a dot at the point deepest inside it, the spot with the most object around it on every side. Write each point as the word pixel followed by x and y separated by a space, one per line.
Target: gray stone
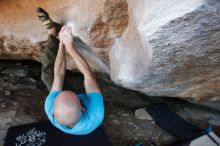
pixel 18 72
pixel 3 105
pixel 7 93
pixel 142 114
pixel 197 114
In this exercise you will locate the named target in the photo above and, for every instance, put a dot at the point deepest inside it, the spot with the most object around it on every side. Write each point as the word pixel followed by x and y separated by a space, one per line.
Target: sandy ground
pixel 22 96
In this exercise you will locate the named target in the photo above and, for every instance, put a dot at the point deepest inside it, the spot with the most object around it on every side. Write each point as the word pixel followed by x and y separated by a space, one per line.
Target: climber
pixel 71 113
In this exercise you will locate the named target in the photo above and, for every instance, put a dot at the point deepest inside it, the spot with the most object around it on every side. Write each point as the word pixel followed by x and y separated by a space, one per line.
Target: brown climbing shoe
pixel 45 19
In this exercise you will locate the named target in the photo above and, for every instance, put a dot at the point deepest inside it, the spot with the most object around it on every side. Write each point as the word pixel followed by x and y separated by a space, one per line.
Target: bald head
pixel 67 108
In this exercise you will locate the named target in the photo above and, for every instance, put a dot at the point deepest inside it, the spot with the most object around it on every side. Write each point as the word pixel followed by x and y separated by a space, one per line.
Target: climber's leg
pixel 51 49
pixel 48 60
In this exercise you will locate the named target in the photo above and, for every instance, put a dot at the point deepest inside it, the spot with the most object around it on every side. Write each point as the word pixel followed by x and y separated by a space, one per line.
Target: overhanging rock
pixel 161 48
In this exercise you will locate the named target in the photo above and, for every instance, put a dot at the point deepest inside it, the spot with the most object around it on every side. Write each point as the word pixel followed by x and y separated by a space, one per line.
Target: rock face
pixel 161 48
pixel 172 49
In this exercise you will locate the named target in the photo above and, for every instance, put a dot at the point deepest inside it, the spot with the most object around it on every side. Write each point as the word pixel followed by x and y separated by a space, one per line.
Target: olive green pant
pixel 48 60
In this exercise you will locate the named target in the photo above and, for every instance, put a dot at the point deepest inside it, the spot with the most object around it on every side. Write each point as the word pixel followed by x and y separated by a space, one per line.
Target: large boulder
pixel 161 48
pixel 170 48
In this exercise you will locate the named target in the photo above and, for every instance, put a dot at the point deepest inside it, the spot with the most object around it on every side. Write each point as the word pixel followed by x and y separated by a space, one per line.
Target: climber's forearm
pixel 60 62
pixel 90 82
pixel 81 63
pixel 59 69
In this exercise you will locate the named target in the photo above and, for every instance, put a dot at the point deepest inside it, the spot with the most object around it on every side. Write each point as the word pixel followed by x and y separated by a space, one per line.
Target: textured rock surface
pixel 161 48
pixel 175 50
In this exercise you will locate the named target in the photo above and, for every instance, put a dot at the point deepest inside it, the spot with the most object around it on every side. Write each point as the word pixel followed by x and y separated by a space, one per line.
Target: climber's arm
pixel 90 82
pixel 59 69
pixel 91 85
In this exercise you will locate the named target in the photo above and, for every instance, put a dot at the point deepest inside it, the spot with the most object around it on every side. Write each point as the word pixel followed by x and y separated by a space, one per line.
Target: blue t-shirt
pixel 90 119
